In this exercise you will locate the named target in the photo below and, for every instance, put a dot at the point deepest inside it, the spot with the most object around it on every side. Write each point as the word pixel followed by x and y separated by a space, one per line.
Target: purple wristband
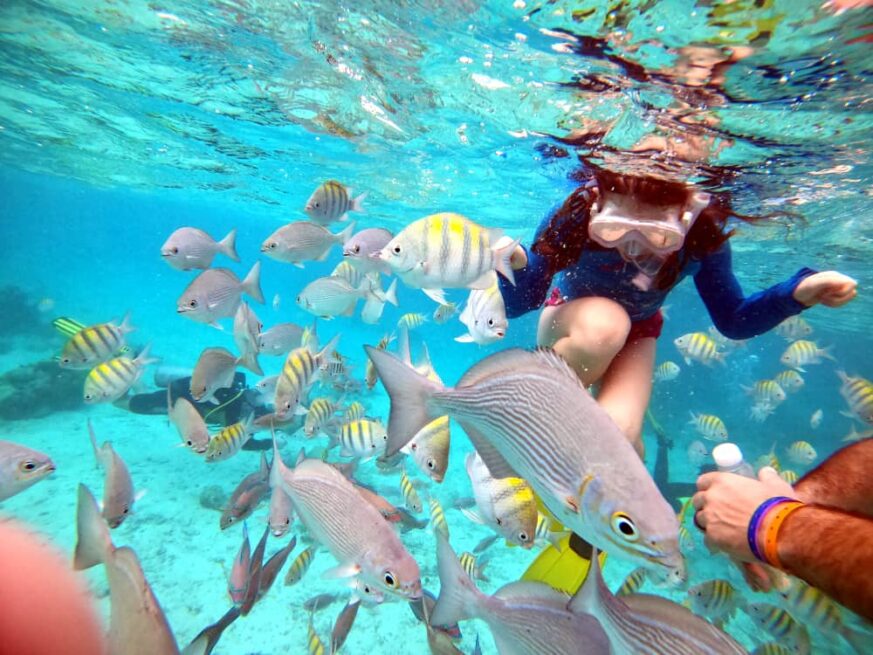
pixel 755 523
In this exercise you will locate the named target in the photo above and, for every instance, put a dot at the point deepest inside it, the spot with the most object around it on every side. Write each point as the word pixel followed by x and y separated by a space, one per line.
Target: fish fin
pixel 826 353
pixel 93 437
pixel 228 245
pixel 484 281
pixel 459 596
pixel 341 571
pixel 486 543
pixel 301 410
pixel 437 295
pixel 346 233
pixel 687 361
pixel 496 464
pixel 251 285
pixel 465 338
pixel 473 515
pixel 590 596
pixel 216 325
pixel 322 257
pixel 298 264
pixel 409 391
pixel 502 263
pixel 92 534
pixel 139 495
pixel 250 361
pixel 350 311
pixel 358 203
pixel 555 538
pixel 391 293
pixel 125 327
pixel 798 368
pixel 68 327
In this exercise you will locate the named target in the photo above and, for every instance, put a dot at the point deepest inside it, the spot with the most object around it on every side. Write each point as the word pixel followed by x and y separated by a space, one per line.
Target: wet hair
pixel 565 237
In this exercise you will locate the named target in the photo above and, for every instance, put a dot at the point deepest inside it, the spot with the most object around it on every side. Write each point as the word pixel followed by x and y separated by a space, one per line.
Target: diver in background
pixel 618 245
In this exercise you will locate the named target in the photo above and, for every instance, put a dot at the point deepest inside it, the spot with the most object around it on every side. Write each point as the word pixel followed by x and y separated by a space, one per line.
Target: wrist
pixel 765 526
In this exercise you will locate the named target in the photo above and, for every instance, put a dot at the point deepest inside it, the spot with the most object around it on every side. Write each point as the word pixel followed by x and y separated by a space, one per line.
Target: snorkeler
pixel 621 243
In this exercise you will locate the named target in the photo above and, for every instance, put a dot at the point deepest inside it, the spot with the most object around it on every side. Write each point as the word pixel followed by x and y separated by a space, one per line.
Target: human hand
pixel 829 288
pixel 725 503
pixel 518 259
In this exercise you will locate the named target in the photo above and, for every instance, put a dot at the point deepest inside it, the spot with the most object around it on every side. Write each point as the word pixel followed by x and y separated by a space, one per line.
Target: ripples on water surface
pixel 120 121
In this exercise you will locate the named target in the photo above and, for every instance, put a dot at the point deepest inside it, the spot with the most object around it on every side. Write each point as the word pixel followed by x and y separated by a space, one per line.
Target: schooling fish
pixel 280 339
pixel 413 501
pixel 642 623
pixel 485 316
pixel 188 248
pixel 699 347
pixel 529 416
pixel 300 371
pixel 444 313
pixel 281 509
pixel 766 392
pixel 667 371
pixel 793 328
pixel 246 328
pixel 343 625
pixel 321 411
pixel 190 424
pixel 709 426
pixel 430 448
pixel 247 496
pixel 361 250
pixel 327 297
pixel 801 453
pixel 802 353
pixel 362 438
pixel 353 531
pixel 118 494
pixel 438 517
pixel 816 419
pixel 238 579
pixel 789 380
pixel 299 566
pixel 858 394
pixel 137 625
pixel 303 241
pixel 448 251
pixel 331 202
pixel 21 467
pixel 714 599
pixel 214 370
pixel 228 441
pixel 93 345
pixel 109 381
pixel 525 618
pixel 215 294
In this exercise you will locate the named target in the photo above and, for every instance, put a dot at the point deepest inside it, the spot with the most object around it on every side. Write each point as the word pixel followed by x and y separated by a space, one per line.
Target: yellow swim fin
pixel 68 326
pixel 564 568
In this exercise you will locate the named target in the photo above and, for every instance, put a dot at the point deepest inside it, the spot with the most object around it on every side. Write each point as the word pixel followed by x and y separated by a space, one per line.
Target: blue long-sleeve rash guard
pixel 605 274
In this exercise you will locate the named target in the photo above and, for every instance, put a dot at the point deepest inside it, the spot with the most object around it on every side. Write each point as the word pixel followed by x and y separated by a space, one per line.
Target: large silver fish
pixel 280 339
pixel 188 248
pixel 190 424
pixel 215 294
pixel 214 370
pixel 647 624
pixel 525 618
pixel 354 531
pixel 362 250
pixel 137 625
pixel 529 416
pixel 303 241
pixel 118 494
pixel 246 328
pixel 21 467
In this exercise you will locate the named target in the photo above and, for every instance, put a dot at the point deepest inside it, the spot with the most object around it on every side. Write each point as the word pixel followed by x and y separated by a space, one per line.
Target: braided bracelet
pixel 755 523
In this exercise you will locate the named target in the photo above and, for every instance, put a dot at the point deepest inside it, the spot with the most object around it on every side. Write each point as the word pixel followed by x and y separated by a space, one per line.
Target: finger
pixel 700 520
pixel 768 474
pixel 697 500
pixel 705 481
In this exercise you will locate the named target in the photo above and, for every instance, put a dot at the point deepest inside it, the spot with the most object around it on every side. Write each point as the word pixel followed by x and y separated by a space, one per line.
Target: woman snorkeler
pixel 618 245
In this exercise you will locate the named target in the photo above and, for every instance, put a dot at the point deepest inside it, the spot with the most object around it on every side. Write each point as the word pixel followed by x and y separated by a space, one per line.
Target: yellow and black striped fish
pixel 714 599
pixel 411 321
pixel 633 582
pixel 363 438
pixel 413 502
pixel 314 644
pixel 321 410
pixel 89 346
pixel 437 516
pixel 430 448
pixel 299 566
pixel 331 202
pixel 228 441
pixel 812 607
pixel 780 624
pixel 858 394
pixel 700 347
pixel 470 564
pixel 355 411
pixel 109 381
pixel 298 373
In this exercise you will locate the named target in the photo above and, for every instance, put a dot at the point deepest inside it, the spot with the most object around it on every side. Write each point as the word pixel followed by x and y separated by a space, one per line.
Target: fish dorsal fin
pixel 532 589
pixel 516 360
pixel 496 464
pixel 592 595
pixel 300 457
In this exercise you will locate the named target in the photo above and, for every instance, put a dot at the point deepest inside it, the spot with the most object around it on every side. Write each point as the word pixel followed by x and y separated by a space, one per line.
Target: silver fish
pixel 525 618
pixel 188 248
pixel 247 495
pixel 281 509
pixel 643 623
pixel 21 467
pixel 375 302
pixel 246 328
pixel 215 294
pixel 280 339
pixel 303 241
pixel 215 369
pixel 529 416
pixel 485 316
pixel 362 248
pixel 118 494
pixel 444 313
pixel 267 386
pixel 331 202
pixel 190 424
pixel 333 296
pixel 137 625
pixel 354 531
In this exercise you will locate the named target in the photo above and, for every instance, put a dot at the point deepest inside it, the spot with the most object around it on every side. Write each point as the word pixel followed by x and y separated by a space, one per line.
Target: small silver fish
pixel 215 369
pixel 303 241
pixel 246 328
pixel 361 250
pixel 215 294
pixel 118 494
pixel 816 419
pixel 21 467
pixel 189 248
pixel 444 313
pixel 331 202
pixel 333 296
pixel 280 339
pixel 190 424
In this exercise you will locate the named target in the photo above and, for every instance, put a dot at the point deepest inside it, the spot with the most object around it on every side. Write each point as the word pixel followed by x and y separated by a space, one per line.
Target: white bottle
pixel 729 458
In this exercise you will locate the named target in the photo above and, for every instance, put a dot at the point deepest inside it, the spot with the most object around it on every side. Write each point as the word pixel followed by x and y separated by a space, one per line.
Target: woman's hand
pixel 518 260
pixel 829 288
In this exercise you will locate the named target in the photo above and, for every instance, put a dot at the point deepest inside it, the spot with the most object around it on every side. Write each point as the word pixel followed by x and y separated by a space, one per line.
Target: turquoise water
pixel 120 122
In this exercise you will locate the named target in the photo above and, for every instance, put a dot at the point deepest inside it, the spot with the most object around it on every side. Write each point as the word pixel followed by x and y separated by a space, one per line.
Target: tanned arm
pixel 842 481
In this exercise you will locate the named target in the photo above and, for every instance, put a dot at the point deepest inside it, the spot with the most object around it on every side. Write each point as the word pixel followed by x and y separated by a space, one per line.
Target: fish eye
pixel 357 249
pixel 174 250
pixel 523 536
pixel 88 396
pixel 273 245
pixel 396 250
pixel 431 464
pixel 623 525
pixel 126 510
pixel 317 205
pixel 192 303
pixel 27 465
pixel 189 443
pixel 390 580
pixel 490 322
pixel 499 521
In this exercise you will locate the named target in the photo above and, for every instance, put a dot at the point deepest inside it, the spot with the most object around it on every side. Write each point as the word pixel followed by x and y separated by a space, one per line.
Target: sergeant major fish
pixel 667 371
pixel 215 294
pixel 228 441
pixel 300 370
pixel 699 347
pixel 93 345
pixel 331 202
pixel 529 416
pixel 189 248
pixel 109 381
pixel 802 353
pixel 858 394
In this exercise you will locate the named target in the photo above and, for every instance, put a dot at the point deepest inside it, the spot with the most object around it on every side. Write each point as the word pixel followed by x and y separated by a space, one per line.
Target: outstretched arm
pixel 842 481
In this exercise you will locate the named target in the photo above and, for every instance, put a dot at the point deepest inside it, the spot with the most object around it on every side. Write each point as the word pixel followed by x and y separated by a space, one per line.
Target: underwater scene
pixel 367 327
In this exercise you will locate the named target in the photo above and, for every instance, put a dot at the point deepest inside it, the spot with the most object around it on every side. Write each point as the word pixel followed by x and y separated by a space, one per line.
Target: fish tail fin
pixel 143 359
pixel 391 293
pixel 409 391
pixel 92 533
pixel 465 338
pixel 826 353
pixel 358 203
pixel 502 260
pixel 125 327
pixel 328 349
pixel 346 233
pixel 227 245
pixel 459 596
pixel 251 285
pixel 93 436
pixel 250 361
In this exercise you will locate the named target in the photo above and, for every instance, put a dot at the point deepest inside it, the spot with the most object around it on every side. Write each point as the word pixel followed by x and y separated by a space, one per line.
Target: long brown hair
pixel 565 237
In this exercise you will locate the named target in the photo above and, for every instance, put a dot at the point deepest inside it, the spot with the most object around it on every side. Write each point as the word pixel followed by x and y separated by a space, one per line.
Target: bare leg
pixel 626 387
pixel 587 332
